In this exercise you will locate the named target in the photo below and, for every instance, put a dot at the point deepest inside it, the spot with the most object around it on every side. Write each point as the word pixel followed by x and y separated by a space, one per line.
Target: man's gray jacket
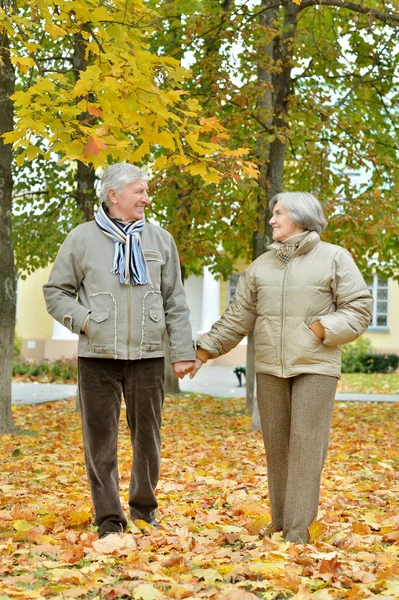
pixel 125 321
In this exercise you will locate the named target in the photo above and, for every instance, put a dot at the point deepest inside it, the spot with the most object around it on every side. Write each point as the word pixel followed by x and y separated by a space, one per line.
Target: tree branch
pixel 365 10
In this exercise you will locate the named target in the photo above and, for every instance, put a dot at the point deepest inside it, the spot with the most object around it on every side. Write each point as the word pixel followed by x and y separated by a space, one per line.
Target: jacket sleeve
pixel 353 302
pixel 236 322
pixel 61 290
pixel 177 313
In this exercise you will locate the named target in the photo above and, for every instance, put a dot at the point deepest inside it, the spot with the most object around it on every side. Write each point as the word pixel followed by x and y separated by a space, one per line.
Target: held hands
pixel 181 368
pixel 197 365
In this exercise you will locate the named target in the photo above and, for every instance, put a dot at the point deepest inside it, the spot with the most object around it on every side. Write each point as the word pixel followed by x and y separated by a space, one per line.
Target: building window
pixel 233 281
pixel 379 289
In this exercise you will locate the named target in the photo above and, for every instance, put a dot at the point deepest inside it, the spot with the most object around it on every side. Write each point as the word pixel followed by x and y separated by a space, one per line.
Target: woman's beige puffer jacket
pixel 320 283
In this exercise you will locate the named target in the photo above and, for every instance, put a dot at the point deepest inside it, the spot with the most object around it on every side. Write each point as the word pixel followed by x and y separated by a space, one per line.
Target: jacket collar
pixel 308 242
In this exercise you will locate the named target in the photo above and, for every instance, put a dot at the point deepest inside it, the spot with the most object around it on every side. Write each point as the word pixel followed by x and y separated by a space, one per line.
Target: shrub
pixel 354 355
pixel 46 371
pixel 381 363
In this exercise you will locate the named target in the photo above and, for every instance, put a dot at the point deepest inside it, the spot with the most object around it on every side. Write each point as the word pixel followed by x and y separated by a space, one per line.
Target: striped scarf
pixel 288 249
pixel 126 238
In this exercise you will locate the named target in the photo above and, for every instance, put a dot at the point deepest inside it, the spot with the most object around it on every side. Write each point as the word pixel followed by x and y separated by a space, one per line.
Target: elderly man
pixel 116 282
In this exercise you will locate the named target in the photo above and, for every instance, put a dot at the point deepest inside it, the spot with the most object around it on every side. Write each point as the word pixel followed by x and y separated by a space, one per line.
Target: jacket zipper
pixel 283 311
pixel 283 320
pixel 128 322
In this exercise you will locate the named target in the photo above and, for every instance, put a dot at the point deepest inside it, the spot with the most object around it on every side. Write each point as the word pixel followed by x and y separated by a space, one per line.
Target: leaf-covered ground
pixel 213 504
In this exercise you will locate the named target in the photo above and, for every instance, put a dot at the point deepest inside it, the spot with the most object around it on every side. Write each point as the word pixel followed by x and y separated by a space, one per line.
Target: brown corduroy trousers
pixel 295 415
pixel 101 384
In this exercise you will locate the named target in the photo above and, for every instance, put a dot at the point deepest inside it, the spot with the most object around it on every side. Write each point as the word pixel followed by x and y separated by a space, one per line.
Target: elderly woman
pixel 303 299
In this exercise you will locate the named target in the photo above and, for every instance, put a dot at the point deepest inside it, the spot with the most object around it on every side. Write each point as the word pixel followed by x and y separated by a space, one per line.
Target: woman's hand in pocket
pixel 318 330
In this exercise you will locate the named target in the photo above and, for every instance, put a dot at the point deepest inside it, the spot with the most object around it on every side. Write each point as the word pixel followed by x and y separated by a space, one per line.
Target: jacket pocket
pixel 154 263
pixel 265 346
pixel 305 347
pixel 154 321
pixel 99 328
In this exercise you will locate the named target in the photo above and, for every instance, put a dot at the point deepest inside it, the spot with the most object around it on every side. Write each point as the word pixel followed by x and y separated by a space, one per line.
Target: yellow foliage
pixel 118 88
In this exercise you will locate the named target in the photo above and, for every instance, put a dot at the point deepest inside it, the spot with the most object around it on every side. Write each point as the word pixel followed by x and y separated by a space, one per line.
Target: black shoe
pixel 143 527
pixel 107 533
pixel 155 524
pixel 111 531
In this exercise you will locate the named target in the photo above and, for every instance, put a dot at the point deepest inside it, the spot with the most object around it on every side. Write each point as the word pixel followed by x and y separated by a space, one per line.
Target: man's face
pixel 283 226
pixel 129 204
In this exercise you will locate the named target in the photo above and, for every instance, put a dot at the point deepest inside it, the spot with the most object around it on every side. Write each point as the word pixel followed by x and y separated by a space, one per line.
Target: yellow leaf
pixel 22 525
pixel 71 575
pixel 267 568
pixel 165 139
pixel 197 169
pixel 32 152
pixel 316 530
pixel 79 517
pixel 370 519
pixel 9 138
pixel 160 163
pixel 239 595
pixel 146 591
pixel 49 520
pixel 392 587
pixel 55 31
pixel 142 150
pixel 212 178
pixel 208 575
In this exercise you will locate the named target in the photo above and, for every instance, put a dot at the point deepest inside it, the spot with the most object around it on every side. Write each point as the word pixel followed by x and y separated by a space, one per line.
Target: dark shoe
pixel 107 533
pixel 143 528
pixel 113 529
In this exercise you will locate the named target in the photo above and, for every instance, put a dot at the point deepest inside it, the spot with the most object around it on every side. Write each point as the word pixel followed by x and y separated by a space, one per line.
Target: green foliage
pixel 358 357
pixel 341 118
pixel 58 371
pixel 381 363
pixel 354 355
pixel 17 345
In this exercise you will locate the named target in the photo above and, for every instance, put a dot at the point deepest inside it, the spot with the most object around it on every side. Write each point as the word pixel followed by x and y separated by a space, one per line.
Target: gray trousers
pixel 101 384
pixel 295 415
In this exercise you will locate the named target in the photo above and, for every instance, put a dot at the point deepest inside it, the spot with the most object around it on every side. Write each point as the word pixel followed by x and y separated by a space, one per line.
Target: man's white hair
pixel 303 208
pixel 117 176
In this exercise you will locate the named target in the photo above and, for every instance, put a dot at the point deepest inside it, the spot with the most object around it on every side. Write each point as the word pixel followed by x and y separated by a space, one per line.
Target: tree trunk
pixel 261 237
pixel 85 190
pixel 272 114
pixel 7 270
pixel 86 176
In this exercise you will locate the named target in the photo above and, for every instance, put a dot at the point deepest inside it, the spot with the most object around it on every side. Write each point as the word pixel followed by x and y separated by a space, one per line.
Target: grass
pixel 373 383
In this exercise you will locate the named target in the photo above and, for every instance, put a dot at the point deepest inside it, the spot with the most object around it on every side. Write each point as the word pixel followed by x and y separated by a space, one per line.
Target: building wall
pixel 33 320
pixel 388 341
pixel 35 326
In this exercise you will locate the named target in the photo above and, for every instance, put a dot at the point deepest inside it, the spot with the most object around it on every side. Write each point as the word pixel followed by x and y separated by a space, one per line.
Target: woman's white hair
pixel 117 176
pixel 303 208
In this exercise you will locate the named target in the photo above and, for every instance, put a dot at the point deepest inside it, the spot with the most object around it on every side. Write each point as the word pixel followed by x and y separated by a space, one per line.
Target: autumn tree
pixel 310 86
pixel 124 101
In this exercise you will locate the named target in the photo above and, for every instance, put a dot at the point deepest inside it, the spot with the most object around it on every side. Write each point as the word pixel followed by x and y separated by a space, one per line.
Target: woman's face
pixel 283 226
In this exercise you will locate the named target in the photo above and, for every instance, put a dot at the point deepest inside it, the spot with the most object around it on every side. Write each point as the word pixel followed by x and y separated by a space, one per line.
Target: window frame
pixel 230 287
pixel 374 287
